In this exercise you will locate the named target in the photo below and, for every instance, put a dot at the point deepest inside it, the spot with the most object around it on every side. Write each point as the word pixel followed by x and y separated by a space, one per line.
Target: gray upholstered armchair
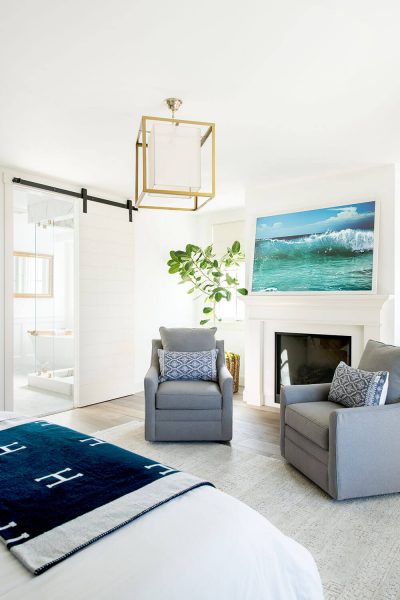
pixel 348 452
pixel 188 410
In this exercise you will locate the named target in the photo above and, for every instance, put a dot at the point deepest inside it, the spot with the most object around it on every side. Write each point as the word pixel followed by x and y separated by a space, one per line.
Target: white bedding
pixel 202 545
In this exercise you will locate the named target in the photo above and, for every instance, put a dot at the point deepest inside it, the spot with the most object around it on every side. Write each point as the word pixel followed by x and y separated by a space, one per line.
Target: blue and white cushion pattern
pixel 354 387
pixel 188 365
pixel 62 490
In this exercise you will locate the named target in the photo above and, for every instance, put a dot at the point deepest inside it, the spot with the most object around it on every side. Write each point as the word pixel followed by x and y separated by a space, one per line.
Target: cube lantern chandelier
pixel 175 162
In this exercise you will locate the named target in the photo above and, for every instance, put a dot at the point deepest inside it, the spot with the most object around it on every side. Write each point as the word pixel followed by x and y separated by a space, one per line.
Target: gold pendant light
pixel 175 162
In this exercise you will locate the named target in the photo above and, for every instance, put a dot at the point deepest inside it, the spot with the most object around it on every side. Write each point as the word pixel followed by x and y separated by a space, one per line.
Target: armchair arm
pixel 225 381
pixel 364 451
pixel 151 382
pixel 150 390
pixel 294 394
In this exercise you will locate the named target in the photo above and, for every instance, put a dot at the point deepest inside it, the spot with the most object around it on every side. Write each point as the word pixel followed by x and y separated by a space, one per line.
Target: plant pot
pixel 233 364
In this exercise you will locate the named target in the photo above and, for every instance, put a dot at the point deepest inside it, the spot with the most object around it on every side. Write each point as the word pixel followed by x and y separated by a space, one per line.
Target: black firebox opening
pixel 308 358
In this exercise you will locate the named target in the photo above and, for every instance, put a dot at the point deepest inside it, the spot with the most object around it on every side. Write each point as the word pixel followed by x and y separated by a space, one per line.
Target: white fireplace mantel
pixel 357 315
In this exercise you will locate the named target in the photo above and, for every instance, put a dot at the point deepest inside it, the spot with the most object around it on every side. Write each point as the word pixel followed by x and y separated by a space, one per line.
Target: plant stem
pixel 205 275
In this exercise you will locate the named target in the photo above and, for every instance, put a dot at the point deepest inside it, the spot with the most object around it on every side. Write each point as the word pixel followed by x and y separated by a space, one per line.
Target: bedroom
pixel 267 472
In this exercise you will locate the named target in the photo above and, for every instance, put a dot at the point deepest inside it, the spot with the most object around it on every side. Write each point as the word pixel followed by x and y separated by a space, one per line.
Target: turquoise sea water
pixel 331 261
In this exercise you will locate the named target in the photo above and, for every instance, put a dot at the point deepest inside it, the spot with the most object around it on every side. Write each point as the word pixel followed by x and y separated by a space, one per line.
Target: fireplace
pixel 303 358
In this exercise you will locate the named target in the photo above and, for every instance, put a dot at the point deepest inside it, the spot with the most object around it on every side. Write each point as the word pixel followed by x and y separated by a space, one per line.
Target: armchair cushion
pixel 311 419
pixel 188 395
pixel 186 339
pixel 382 357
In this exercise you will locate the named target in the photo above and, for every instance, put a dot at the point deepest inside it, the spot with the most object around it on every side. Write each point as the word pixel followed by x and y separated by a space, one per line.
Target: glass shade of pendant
pixel 174 153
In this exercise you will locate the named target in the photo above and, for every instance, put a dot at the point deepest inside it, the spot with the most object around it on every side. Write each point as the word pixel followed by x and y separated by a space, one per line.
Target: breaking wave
pixel 347 242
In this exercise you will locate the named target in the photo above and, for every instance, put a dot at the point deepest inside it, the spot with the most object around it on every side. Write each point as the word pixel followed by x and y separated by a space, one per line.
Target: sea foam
pixel 346 242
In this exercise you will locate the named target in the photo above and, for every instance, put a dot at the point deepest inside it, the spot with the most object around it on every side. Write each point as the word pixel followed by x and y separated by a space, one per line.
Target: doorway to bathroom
pixel 43 302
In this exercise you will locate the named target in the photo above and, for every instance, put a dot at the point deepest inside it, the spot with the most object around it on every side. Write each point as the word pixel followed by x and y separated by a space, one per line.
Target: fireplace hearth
pixel 303 358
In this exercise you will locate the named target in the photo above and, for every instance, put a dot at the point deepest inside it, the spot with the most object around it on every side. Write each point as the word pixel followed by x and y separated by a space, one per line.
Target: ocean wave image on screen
pixel 337 259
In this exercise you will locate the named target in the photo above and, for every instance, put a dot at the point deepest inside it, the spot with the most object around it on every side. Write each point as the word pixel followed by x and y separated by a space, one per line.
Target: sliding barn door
pixel 106 243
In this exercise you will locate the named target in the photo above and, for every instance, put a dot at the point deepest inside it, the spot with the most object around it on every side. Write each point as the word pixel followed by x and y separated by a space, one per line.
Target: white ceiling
pixel 296 87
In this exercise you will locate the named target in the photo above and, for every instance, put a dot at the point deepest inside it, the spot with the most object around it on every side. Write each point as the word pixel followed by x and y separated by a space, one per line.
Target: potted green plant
pixel 212 278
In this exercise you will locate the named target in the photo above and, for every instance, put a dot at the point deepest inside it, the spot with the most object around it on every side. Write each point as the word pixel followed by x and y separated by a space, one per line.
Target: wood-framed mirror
pixel 33 275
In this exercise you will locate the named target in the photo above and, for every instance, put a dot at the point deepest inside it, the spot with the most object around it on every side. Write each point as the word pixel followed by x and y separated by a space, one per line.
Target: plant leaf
pixel 236 247
pixel 204 321
pixel 173 270
pixel 207 309
pixel 243 291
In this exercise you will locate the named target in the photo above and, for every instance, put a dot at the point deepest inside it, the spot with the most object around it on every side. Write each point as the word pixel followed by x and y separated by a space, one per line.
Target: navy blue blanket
pixel 61 490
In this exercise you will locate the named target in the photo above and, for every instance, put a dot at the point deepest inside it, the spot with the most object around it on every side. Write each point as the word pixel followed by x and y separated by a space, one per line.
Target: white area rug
pixel 356 544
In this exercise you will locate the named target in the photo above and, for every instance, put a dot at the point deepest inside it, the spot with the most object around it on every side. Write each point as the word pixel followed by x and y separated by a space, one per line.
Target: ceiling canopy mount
pixel 174 105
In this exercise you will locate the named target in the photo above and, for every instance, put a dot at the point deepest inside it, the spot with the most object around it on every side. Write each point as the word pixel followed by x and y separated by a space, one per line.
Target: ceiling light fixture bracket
pixel 173 104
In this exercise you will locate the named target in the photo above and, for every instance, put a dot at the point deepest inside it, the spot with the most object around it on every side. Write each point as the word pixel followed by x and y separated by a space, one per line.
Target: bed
pixel 201 545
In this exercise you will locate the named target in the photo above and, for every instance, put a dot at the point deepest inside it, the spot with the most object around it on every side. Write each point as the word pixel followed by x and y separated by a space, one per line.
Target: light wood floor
pixel 254 429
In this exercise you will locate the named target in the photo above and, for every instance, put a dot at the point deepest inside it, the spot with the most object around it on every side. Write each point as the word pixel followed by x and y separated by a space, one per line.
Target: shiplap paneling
pixel 106 296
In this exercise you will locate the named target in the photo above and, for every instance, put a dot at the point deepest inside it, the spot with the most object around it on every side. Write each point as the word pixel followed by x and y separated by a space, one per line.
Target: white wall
pixel 372 184
pixel 159 300
pixel 232 332
pixel 2 303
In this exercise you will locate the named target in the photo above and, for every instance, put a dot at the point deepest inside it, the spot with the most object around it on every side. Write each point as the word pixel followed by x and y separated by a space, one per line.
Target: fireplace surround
pixel 358 316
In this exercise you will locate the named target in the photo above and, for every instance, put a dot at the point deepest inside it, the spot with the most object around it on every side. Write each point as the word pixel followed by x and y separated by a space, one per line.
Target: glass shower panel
pixel 43 303
pixel 54 351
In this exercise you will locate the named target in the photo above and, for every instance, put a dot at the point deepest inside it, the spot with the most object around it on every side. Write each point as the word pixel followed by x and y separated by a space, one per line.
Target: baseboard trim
pixel 138 387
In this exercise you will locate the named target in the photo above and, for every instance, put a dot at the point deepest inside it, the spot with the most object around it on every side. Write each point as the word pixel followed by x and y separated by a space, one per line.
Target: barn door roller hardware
pixel 82 194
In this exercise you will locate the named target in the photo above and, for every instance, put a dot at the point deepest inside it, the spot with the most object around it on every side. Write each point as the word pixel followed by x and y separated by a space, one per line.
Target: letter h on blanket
pixel 60 478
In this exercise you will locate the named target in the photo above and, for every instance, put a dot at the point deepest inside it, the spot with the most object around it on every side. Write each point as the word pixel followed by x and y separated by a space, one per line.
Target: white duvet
pixel 202 545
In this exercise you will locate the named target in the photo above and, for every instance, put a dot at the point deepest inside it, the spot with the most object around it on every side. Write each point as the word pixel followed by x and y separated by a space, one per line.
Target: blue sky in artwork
pixel 349 216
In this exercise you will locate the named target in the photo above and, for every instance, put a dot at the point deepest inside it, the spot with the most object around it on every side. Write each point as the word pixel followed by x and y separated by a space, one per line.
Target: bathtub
pixel 53 348
pixel 60 381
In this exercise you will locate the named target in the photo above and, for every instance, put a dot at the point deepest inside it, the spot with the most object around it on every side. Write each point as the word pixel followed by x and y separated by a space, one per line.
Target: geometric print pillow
pixel 188 365
pixel 354 387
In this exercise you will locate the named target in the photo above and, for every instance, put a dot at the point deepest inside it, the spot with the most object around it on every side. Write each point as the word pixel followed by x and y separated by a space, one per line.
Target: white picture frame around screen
pixel 321 207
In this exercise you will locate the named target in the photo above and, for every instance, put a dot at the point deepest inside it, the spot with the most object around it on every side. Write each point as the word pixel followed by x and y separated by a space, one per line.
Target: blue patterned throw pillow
pixel 188 365
pixel 354 387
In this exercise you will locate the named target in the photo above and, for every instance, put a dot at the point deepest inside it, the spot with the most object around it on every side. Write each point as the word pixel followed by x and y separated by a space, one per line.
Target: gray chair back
pixel 383 357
